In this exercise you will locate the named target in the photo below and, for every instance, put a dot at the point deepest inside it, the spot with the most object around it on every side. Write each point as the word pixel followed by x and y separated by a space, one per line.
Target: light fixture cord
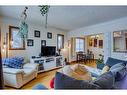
pixel 46 21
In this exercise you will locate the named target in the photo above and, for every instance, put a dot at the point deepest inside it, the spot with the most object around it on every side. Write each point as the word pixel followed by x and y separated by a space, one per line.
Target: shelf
pixel 49 69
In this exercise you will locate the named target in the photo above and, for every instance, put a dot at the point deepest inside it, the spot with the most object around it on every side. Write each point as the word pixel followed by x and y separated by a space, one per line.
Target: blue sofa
pixel 122 84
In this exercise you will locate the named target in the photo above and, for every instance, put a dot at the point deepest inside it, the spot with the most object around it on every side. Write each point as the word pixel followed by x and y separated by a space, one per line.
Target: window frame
pixel 79 45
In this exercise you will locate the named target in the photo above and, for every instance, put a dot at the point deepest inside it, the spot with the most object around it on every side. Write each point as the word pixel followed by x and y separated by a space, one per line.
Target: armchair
pixel 18 77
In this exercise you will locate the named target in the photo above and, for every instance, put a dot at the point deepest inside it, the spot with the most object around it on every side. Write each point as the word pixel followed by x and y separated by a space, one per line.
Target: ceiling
pixel 67 17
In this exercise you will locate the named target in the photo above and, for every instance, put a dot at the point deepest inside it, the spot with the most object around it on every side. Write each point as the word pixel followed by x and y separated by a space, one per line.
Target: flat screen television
pixel 48 50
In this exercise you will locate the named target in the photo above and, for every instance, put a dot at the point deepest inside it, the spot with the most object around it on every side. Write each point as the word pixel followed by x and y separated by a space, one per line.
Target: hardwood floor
pixel 45 77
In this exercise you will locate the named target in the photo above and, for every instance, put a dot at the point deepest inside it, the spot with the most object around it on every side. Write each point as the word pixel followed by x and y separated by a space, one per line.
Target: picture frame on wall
pixel 43 42
pixel 90 42
pixel 37 33
pixel 95 42
pixel 100 43
pixel 18 42
pixel 49 35
pixel 30 42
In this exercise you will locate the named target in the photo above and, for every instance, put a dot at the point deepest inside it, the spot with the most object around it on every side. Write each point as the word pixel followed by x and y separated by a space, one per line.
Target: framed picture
pixel 36 33
pixel 100 43
pixel 43 42
pixel 15 42
pixel 90 42
pixel 30 42
pixel 95 42
pixel 49 35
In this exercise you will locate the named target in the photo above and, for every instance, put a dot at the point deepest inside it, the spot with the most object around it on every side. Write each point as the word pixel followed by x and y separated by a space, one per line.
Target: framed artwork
pixel 15 42
pixel 95 42
pixel 43 42
pixel 30 42
pixel 90 42
pixel 49 35
pixel 100 43
pixel 36 33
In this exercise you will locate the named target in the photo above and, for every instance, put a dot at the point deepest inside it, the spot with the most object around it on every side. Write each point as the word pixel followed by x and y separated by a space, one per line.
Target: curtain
pixel 73 53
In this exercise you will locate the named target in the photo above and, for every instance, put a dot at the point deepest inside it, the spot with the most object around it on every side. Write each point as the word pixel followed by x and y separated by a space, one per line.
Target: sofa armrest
pixel 31 66
pixel 12 71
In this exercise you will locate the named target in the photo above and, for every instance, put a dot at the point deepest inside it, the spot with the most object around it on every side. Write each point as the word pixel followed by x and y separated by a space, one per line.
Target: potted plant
pixel 100 61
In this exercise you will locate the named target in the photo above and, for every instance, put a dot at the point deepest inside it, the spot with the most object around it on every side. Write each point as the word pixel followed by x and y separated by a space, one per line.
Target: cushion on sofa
pixel 105 69
pixel 112 61
pixel 105 81
pixel 119 70
pixel 63 81
pixel 15 62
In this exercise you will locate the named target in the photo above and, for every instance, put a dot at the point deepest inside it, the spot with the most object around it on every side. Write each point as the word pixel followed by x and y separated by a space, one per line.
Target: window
pixel 80 44
pixel 60 41
pixel 15 42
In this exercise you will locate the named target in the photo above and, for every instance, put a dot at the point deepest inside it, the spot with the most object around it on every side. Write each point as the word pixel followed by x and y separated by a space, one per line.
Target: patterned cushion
pixel 15 62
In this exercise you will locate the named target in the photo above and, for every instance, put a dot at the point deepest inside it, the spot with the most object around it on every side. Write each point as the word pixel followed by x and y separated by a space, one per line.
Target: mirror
pixel 15 42
pixel 120 41
pixel 60 41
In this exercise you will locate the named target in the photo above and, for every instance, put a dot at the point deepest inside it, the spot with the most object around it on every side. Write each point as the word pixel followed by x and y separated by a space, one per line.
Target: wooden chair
pixel 81 57
pixel 90 57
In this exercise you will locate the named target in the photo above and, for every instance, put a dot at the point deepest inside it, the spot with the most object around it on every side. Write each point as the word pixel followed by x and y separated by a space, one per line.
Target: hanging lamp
pixel 44 9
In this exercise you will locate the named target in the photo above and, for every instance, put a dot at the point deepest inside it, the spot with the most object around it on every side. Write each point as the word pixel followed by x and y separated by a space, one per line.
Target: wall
pixel 107 28
pixel 36 49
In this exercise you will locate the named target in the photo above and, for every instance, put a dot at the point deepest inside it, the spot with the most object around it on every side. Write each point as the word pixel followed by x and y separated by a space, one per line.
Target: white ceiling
pixel 68 17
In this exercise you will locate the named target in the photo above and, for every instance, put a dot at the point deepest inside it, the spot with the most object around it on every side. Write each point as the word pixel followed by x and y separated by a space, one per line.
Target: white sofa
pixel 18 77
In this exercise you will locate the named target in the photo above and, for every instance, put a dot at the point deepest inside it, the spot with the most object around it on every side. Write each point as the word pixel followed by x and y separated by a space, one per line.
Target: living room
pixel 50 42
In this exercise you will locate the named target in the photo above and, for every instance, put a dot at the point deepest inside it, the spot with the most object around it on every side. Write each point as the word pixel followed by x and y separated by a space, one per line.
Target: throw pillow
pixel 63 81
pixel 105 69
pixel 105 81
pixel 15 62
pixel 119 71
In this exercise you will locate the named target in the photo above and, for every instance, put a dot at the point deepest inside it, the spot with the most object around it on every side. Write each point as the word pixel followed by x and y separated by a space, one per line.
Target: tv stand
pixel 48 63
